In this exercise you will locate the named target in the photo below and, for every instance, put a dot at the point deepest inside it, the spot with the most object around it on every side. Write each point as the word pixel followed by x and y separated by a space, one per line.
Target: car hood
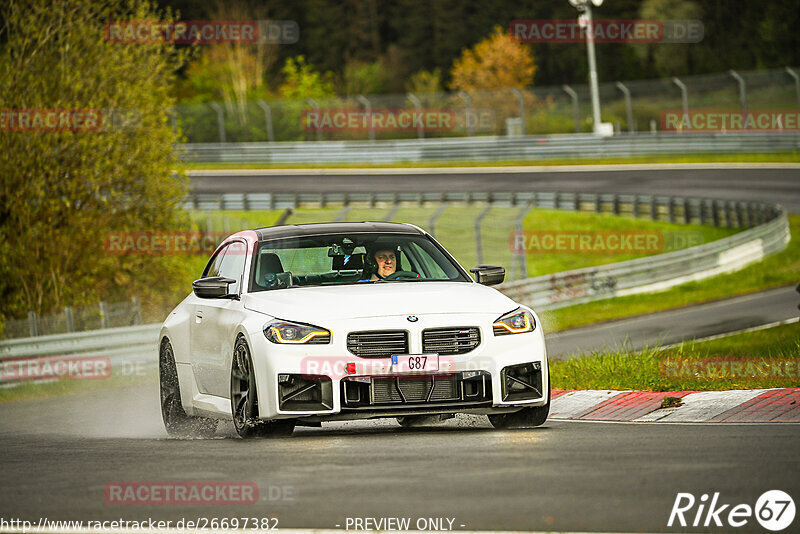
pixel 309 304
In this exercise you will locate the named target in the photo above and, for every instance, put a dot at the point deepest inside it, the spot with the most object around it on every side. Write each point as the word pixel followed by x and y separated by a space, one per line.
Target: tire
pixel 244 399
pixel 176 422
pixel 526 417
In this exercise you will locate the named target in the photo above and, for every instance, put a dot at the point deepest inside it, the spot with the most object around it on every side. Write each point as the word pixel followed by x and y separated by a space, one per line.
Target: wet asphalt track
pixel 57 455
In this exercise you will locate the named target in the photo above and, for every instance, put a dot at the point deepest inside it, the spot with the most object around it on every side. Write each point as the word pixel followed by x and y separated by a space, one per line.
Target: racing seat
pixel 270 271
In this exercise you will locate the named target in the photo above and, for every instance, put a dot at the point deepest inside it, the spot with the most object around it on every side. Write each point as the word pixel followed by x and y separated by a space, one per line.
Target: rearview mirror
pixel 488 275
pixel 213 287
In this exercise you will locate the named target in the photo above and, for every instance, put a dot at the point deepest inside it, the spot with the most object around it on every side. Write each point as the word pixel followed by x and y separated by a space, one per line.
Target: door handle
pixel 198 317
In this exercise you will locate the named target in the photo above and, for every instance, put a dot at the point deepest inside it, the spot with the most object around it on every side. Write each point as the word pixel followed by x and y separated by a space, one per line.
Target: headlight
pixel 514 322
pixel 285 332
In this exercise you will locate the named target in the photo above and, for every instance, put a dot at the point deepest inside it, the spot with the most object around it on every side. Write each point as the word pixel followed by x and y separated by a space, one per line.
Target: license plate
pixel 415 363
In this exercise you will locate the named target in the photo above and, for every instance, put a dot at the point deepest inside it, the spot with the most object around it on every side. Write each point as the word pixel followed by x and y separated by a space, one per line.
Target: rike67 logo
pixel 774 510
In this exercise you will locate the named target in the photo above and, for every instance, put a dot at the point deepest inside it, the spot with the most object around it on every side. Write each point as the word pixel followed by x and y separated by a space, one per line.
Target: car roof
pixel 297 230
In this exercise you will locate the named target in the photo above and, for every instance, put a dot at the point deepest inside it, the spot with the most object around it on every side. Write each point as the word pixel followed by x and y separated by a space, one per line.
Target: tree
pixel 488 71
pixel 499 61
pixel 64 189
pixel 670 59
pixel 302 80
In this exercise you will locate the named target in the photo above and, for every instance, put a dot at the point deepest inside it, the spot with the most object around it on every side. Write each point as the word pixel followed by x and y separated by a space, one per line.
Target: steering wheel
pixel 410 275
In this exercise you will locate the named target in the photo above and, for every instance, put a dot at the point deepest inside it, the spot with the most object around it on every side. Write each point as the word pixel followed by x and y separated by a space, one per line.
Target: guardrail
pixel 490 148
pixel 769 234
pixel 653 273
pixel 123 346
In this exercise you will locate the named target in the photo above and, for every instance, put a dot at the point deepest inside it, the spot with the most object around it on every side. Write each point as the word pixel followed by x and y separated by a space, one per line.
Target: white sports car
pixel 296 325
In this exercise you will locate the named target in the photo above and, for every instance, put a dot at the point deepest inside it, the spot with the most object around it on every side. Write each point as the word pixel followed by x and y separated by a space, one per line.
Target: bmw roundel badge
pixel 412 318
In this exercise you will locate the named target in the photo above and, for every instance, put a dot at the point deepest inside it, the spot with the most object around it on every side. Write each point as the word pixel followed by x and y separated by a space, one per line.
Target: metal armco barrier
pixel 767 233
pixel 490 148
pixel 653 273
pixel 123 346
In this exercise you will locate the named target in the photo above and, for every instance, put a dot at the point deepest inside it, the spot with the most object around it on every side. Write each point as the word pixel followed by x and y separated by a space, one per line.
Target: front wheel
pixel 244 399
pixel 176 422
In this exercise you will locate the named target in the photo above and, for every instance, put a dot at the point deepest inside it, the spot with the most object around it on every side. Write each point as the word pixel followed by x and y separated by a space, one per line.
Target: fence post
pixel 628 106
pixel 33 327
pixel 435 217
pixel 742 94
pixel 793 73
pixel 523 263
pixel 521 105
pixel 220 120
pixel 314 104
pixel 137 310
pixel 671 209
pixel 653 209
pixel 597 206
pixel 418 107
pixel 268 118
pixel 368 108
pixel 728 219
pixel 684 99
pixel 616 204
pixel 687 215
pixel 467 111
pixel 635 206
pixel 739 216
pixel 478 243
pixel 69 319
pixel 702 212
pixel 103 315
pixel 715 212
pixel 575 113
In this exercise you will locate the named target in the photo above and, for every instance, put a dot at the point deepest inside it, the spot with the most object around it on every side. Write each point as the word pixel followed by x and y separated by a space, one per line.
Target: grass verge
pixel 55 388
pixel 778 157
pixel 777 270
pixel 766 359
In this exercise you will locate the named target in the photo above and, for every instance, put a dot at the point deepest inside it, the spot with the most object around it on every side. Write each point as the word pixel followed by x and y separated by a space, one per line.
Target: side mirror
pixel 213 287
pixel 488 275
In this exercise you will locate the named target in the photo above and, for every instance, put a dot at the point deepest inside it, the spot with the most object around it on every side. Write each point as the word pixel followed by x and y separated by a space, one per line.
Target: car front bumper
pixel 327 382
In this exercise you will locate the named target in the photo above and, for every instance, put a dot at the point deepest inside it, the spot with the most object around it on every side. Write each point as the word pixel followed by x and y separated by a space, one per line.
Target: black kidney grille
pixel 451 340
pixel 378 344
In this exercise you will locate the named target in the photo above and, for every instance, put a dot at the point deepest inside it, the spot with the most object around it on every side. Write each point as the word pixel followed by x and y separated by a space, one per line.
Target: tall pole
pixel 592 69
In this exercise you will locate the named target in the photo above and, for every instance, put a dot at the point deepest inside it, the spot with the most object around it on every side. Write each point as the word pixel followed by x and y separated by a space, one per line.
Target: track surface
pixel 674 326
pixel 730 182
pixel 58 454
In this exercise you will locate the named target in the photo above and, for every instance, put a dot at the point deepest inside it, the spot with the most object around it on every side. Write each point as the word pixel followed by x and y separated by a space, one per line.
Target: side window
pixel 213 267
pixel 233 264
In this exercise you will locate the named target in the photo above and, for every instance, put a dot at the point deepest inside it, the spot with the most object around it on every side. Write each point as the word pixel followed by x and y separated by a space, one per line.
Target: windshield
pixel 340 259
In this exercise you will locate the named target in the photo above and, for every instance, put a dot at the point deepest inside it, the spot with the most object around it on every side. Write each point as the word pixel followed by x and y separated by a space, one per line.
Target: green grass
pixel 778 157
pixel 691 365
pixel 777 270
pixel 31 390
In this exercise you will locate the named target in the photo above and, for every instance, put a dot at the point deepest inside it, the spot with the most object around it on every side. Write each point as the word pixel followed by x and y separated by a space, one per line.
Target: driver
pixel 385 263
